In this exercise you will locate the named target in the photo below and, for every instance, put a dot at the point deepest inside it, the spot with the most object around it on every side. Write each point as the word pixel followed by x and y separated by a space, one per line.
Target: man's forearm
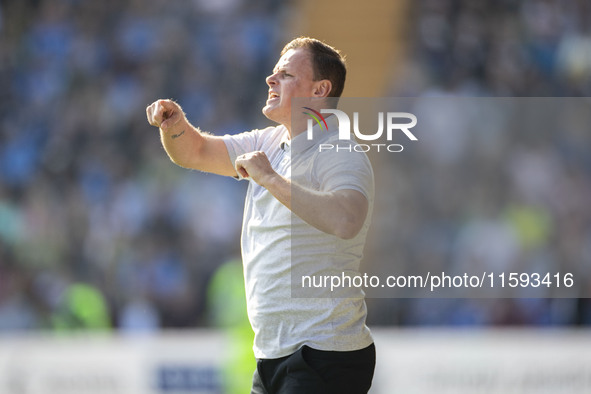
pixel 182 144
pixel 341 213
pixel 185 144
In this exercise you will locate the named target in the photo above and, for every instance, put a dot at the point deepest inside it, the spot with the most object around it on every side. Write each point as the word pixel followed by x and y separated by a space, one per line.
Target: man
pixel 306 211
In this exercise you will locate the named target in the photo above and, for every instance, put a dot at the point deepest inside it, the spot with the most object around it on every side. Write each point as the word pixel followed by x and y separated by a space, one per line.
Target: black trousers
pixel 311 371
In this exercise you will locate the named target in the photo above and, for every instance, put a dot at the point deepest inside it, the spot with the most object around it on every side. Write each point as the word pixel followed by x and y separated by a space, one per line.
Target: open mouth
pixel 273 95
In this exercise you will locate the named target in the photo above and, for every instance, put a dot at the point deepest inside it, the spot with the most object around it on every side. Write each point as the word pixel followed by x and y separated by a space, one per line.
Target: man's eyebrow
pixel 280 69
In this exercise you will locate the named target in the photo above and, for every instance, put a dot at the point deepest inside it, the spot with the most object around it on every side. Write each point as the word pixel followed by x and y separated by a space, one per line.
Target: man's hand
pixel 165 114
pixel 256 166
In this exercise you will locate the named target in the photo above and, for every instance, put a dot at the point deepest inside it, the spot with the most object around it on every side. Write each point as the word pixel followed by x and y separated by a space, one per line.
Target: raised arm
pixel 185 144
pixel 341 213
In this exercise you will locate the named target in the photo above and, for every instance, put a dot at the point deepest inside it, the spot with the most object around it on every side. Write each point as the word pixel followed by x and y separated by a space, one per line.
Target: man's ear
pixel 322 88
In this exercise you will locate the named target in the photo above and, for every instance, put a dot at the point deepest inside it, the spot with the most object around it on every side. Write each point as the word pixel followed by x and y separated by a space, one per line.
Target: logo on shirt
pixel 390 123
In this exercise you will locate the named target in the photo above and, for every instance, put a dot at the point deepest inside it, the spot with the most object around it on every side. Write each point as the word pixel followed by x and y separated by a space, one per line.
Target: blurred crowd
pixel 87 195
pixel 505 48
pixel 93 216
pixel 493 184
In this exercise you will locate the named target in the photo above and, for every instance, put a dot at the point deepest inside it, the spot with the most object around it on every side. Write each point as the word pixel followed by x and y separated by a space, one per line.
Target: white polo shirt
pixel 278 247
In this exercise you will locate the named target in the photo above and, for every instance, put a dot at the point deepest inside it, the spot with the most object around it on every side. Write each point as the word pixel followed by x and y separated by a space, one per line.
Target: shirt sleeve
pixel 266 140
pixel 338 170
pixel 239 144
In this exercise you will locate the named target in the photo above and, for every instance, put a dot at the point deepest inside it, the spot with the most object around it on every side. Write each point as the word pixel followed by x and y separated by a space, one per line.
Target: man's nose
pixel 271 80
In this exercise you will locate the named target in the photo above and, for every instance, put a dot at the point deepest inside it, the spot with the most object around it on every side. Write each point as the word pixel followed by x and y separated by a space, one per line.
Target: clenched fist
pixel 165 114
pixel 256 166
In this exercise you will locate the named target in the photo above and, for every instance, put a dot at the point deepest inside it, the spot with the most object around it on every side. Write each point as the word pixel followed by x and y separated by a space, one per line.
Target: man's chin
pixel 270 113
pixel 266 110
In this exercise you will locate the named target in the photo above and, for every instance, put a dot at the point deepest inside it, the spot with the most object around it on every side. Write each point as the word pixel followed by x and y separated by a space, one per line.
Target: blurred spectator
pixel 226 310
